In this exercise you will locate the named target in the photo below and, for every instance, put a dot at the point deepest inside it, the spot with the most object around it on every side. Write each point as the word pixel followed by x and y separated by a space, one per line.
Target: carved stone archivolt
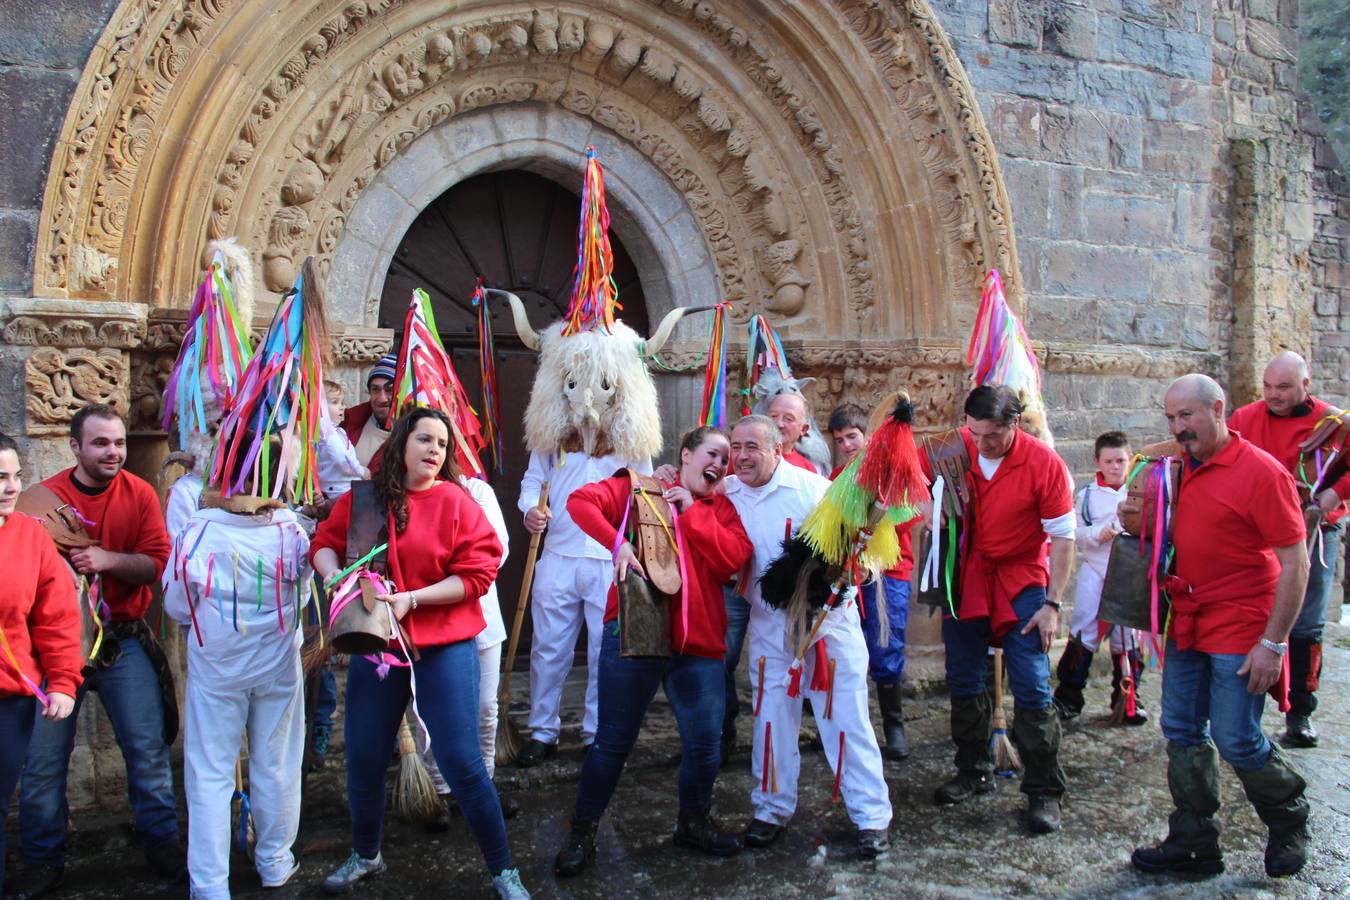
pixel 189 124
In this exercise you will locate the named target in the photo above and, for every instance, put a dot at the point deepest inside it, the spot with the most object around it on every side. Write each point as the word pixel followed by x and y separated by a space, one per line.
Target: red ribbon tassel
pixel 839 769
pixel 759 697
pixel 769 783
pixel 795 679
pixel 820 671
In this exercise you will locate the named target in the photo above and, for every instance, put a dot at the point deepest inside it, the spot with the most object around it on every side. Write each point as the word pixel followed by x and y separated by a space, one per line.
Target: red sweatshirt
pixel 715 545
pixel 801 462
pixel 447 534
pixel 1280 436
pixel 127 519
pixel 38 611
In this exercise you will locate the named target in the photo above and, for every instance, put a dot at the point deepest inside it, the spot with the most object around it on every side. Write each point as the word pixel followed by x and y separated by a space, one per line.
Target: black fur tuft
pixel 903 412
pixel 795 561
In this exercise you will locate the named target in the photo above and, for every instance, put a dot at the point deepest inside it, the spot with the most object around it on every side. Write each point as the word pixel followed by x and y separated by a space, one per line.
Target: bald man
pixel 1240 572
pixel 1278 423
pixel 793 418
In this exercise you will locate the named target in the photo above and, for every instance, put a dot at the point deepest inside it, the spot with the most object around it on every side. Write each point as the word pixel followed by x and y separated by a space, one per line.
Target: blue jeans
pixel 447 700
pixel 16 724
pixel 738 620
pixel 130 694
pixel 1313 616
pixel 886 655
pixel 694 687
pixel 325 704
pixel 1203 697
pixel 967 646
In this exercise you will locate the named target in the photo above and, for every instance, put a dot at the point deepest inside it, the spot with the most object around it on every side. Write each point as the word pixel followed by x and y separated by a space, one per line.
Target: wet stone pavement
pixel 1118 799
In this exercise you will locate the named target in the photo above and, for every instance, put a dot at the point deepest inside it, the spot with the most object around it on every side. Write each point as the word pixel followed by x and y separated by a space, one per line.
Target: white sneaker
pixel 269 883
pixel 508 885
pixel 353 870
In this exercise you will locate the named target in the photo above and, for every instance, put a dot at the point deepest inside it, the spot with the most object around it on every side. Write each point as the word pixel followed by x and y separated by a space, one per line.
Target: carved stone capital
pixel 59 382
pixel 36 322
pixel 356 345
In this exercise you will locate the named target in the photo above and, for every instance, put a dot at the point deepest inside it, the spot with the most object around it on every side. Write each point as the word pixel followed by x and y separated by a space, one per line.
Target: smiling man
pixel 1241 569
pixel 121 513
pixel 1279 423
pixel 367 424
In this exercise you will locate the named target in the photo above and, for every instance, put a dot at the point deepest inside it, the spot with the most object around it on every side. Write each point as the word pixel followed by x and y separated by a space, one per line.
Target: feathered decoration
pixel 281 394
pixel 1001 353
pixel 487 374
pixel 426 377
pixel 764 351
pixel 856 521
pixel 215 349
pixel 714 410
pixel 595 297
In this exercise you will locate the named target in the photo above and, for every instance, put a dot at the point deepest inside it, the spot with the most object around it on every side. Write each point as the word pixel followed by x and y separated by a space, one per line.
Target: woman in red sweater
pixel 715 547
pixel 442 555
pixel 39 631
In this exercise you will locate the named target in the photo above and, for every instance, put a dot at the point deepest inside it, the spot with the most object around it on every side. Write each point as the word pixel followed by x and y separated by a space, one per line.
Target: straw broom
pixel 415 798
pixel 1006 760
pixel 508 742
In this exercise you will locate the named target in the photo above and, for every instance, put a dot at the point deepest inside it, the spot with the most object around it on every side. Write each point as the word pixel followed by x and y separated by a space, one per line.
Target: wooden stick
pixel 508 739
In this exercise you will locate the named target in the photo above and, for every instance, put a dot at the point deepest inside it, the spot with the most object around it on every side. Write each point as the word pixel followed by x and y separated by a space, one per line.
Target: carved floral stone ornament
pixel 60 382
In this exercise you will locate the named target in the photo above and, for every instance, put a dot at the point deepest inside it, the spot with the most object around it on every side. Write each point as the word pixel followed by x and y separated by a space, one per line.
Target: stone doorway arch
pixel 830 158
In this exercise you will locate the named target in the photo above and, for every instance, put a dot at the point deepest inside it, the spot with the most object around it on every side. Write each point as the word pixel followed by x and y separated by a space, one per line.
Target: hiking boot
pixel 1043 815
pixel 890 698
pixel 759 834
pixel 168 859
pixel 962 787
pixel 1191 848
pixel 1072 672
pixel 356 868
pixel 508 885
pixel 697 830
pixel 873 842
pixel 533 753
pixel 1276 790
pixel 36 880
pixel 1298 732
pixel 1173 859
pixel 578 851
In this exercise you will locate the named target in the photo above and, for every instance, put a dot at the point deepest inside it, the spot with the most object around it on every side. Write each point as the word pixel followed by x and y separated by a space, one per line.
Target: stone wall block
pixel 1015 124
pixel 1064 319
pixel 1131 92
pixel 1017 23
pixel 1175 148
pixel 1028 186
pixel 1072 31
pixel 1084 270
pixel 18 230
pixel 1066 203
pixel 1130 221
pixel 32 105
pixel 1024 73
pixel 52 35
pixel 1179 277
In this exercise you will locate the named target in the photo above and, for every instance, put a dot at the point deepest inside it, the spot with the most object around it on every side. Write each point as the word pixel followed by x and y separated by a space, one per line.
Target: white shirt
pixel 337 461
pixel 371 439
pixel 184 498
pixel 495 631
pixel 1094 509
pixel 565 472
pixel 243 643
pixel 791 493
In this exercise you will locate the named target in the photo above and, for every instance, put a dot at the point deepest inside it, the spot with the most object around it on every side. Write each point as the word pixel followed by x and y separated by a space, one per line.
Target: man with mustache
pixel 773 498
pixel 1240 573
pixel 367 424
pixel 121 513
pixel 1284 418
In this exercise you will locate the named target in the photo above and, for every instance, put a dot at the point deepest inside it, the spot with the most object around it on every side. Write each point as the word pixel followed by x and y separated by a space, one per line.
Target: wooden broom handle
pixel 526 582
pixel 1000 721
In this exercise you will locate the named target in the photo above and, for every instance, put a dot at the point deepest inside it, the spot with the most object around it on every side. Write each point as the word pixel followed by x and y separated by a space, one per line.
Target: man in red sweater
pixel 122 513
pixel 366 423
pixel 1278 423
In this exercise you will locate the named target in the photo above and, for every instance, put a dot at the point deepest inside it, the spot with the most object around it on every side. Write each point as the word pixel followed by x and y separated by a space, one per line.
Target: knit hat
pixel 387 367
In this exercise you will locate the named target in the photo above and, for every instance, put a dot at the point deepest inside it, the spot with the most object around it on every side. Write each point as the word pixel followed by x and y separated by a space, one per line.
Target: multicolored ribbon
pixel 714 410
pixel 765 350
pixel 487 374
pixel 595 296
pixel 31 684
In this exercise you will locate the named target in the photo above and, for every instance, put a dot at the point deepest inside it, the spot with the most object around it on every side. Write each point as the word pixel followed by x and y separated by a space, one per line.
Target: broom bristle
pixel 508 740
pixel 1006 758
pixel 415 797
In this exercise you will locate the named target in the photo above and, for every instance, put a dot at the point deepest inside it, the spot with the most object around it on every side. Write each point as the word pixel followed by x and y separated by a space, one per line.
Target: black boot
pixel 1276 790
pixel 972 727
pixel 697 830
pixel 1036 734
pixel 533 753
pixel 890 698
pixel 578 851
pixel 1305 668
pixel 1120 713
pixel 1072 671
pixel 1192 844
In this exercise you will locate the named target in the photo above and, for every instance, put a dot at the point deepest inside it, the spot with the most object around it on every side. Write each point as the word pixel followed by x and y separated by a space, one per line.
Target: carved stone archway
pixel 829 157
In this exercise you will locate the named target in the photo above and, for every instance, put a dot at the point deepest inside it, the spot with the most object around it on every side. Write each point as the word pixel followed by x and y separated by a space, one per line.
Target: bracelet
pixel 1279 649
pixel 413 598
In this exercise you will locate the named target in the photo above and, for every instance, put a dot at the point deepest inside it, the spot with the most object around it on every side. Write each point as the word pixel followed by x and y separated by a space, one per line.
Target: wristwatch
pixel 412 599
pixel 1279 649
pixel 1053 604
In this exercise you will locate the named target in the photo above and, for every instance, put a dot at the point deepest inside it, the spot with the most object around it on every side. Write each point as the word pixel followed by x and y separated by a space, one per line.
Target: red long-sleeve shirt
pixel 126 518
pixel 715 545
pixel 447 534
pixel 38 611
pixel 1280 436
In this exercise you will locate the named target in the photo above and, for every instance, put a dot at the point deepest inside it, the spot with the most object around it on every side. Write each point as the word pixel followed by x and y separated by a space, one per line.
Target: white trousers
pixel 862 784
pixel 489 679
pixel 1087 599
pixel 215 717
pixel 567 591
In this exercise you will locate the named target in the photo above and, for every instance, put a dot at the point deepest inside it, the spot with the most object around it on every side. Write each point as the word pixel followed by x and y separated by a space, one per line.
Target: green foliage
pixel 1324 67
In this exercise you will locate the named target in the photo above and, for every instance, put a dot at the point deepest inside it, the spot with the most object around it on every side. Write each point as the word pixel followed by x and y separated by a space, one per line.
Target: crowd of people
pixel 238 573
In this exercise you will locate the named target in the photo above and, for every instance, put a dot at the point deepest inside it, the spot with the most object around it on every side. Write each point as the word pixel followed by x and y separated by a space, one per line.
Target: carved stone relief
pixel 59 382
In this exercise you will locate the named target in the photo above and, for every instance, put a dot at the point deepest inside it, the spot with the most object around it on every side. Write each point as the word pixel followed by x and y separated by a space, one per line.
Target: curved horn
pixel 653 345
pixel 528 336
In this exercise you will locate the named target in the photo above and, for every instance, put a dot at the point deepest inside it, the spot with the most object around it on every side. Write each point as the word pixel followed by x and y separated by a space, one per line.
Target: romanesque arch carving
pixel 837 165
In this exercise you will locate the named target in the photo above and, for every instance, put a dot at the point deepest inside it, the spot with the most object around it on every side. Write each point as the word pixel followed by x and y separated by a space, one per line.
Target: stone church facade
pixel 1139 171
